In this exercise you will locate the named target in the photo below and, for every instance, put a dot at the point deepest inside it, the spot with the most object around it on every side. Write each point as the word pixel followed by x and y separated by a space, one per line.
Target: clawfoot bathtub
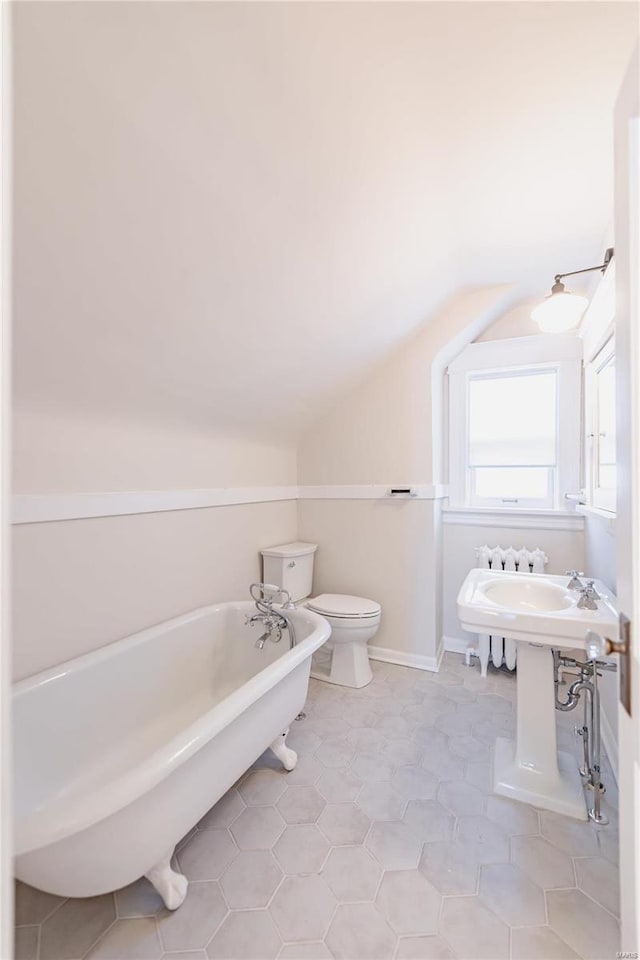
pixel 120 752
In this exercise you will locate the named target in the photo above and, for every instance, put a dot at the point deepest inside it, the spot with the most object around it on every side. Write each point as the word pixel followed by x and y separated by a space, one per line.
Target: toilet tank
pixel 290 566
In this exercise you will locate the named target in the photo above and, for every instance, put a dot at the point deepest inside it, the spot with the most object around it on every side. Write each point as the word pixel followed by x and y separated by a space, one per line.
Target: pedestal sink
pixel 539 612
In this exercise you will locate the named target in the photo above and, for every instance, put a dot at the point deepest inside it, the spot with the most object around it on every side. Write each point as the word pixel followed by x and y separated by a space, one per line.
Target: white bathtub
pixel 120 752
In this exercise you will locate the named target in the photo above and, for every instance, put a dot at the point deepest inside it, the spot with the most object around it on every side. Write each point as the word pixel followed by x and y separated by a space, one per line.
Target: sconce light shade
pixel 560 311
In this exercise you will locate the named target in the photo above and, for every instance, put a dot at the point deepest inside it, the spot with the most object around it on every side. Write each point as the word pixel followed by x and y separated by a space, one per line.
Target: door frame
pixel 627 246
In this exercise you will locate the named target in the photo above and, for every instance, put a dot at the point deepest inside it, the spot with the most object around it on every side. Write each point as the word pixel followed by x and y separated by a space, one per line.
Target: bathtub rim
pixel 70 815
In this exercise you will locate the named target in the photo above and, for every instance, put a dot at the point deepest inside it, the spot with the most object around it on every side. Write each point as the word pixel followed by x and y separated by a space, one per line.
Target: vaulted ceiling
pixel 224 212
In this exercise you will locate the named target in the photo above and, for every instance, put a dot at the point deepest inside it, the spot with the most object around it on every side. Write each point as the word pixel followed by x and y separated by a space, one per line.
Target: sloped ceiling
pixel 224 212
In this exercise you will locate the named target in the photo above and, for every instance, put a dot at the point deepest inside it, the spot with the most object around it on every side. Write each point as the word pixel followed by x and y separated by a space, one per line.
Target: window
pixel 600 418
pixel 512 437
pixel 515 427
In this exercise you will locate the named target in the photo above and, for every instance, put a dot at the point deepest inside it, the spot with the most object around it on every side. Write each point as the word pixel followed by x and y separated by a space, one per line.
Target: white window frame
pixel 561 354
pixel 598 329
pixel 598 497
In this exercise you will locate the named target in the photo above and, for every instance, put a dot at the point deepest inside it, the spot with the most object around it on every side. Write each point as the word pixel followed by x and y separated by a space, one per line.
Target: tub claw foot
pixel 171 886
pixel 287 757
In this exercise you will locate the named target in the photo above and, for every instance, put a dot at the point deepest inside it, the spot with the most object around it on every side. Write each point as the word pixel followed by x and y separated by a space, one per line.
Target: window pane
pixel 512 483
pixel 512 420
pixel 606 399
pixel 607 477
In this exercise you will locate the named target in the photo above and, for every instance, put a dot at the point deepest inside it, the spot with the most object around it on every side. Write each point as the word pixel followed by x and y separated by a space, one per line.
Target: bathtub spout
pixel 171 886
pixel 260 642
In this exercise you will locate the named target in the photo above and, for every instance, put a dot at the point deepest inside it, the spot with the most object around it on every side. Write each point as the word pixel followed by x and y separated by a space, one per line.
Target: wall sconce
pixel 562 310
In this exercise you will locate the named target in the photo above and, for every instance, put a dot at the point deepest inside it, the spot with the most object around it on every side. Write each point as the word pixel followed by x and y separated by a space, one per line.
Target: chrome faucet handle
pixel 574 583
pixel 589 596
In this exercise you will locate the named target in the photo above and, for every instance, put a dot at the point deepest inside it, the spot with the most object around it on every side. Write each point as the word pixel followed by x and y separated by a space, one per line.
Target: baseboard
pixel 456 645
pixel 609 743
pixel 402 659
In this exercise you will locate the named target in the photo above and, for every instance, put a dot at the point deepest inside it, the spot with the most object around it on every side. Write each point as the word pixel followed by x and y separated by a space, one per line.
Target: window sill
pixel 518 518
pixel 608 516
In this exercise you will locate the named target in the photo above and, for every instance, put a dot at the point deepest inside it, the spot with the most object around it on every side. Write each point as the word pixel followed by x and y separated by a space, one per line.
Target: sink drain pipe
pixel 585 685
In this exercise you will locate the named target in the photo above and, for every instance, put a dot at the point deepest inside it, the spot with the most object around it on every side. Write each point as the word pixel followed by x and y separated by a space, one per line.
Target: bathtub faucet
pixel 275 621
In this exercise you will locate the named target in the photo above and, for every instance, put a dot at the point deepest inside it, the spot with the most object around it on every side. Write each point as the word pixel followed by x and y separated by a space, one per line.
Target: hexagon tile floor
pixel 384 842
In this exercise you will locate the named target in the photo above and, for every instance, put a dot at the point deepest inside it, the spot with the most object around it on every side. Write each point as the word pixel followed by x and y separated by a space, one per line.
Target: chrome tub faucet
pixel 274 621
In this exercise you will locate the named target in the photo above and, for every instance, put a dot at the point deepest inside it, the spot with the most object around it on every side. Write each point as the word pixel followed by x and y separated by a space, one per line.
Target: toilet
pixel 344 658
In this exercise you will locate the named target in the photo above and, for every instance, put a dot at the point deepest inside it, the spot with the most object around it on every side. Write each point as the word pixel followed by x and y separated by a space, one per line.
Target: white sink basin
pixel 524 594
pixel 532 606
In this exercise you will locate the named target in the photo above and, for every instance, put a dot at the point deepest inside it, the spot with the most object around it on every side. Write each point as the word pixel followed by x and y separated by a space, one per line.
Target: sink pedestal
pixel 530 768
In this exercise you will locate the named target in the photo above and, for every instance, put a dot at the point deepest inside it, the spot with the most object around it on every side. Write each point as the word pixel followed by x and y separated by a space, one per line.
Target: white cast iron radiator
pixel 500 649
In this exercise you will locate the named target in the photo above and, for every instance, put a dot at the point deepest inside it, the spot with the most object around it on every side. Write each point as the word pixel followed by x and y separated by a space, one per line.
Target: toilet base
pixel 349 666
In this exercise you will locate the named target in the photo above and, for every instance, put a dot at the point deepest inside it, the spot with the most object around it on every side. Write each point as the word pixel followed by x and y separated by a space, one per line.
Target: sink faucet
pixel 589 597
pixel 575 583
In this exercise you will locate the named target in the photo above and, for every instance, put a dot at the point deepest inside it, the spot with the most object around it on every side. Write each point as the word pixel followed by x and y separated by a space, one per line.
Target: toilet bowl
pixel 344 658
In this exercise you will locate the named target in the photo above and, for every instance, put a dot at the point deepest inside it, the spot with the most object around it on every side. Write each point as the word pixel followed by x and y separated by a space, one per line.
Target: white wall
pixel 80 584
pixel 600 562
pixel 600 549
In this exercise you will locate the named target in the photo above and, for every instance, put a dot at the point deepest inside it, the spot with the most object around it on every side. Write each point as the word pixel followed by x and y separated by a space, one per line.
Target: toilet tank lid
pixel 297 549
pixel 343 605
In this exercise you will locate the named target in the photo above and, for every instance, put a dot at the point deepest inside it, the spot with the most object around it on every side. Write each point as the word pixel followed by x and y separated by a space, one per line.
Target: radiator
pixel 501 650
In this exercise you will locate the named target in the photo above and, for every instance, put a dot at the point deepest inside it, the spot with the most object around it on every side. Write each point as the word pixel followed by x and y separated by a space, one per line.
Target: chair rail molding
pixel 374 491
pixel 52 507
pixel 47 508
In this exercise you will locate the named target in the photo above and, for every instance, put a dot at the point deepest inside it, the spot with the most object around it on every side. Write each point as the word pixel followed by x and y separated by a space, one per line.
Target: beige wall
pixel 100 579
pixel 515 323
pixel 389 431
pixel 384 550
pixel 56 453
pixel 80 584
pixel 241 194
pixel 382 431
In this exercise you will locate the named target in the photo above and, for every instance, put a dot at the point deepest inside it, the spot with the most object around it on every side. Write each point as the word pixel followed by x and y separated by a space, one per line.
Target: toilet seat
pixel 343 606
